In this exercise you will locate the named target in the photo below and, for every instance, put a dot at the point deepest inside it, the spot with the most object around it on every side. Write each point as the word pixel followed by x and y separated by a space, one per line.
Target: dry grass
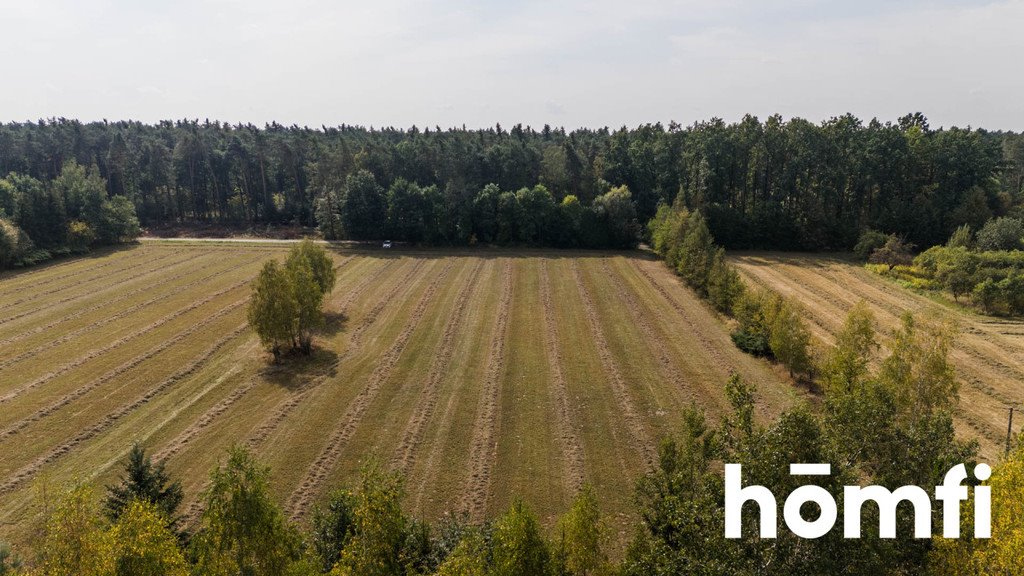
pixel 481 374
pixel 988 353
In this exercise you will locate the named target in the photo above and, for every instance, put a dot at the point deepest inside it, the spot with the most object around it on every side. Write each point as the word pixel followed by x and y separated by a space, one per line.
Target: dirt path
pixel 485 431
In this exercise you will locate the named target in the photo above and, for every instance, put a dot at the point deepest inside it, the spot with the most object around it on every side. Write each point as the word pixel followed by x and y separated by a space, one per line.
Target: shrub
pixel 894 252
pixel 986 294
pixel 9 234
pixel 1001 234
pixel 80 236
pixel 1012 290
pixel 869 241
pixel 755 344
pixel 961 238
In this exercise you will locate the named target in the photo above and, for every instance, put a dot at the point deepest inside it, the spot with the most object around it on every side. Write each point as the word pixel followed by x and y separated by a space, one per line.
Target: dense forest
pixel 773 184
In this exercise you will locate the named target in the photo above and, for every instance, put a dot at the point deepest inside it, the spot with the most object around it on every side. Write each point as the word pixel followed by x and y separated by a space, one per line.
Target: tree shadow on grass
pixel 295 369
pixel 334 323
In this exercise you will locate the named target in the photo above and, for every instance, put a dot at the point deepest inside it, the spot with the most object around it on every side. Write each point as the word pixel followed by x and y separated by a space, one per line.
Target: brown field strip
pixel 637 428
pixel 311 486
pixel 481 375
pixel 126 296
pixel 486 427
pixel 987 359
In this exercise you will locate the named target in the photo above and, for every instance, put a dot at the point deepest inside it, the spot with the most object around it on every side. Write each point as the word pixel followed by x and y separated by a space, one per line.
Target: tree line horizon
pixel 777 184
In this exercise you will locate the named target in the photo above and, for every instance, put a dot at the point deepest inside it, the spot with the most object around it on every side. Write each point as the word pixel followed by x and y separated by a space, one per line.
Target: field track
pixel 479 375
pixel 988 353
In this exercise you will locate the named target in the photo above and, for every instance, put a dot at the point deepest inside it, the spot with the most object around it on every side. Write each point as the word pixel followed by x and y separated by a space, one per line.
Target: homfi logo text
pixel 951 493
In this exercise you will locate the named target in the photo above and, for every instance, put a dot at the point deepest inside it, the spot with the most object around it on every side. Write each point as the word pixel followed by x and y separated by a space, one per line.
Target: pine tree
pixel 143 481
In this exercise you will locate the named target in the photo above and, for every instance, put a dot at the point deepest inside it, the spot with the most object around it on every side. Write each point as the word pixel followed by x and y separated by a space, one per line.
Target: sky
pixel 476 63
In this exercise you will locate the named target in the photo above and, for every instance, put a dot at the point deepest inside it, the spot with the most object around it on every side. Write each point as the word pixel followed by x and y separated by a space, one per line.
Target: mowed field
pixel 988 353
pixel 480 375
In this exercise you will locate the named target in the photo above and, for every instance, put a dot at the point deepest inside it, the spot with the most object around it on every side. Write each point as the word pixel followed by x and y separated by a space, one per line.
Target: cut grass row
pixel 481 376
pixel 984 359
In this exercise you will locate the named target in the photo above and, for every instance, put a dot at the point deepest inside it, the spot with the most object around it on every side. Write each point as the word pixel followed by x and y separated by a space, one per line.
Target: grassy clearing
pixel 481 374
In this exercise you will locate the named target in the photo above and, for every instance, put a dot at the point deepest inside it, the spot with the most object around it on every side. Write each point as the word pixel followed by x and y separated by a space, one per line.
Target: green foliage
pixel 1001 234
pixel 986 294
pixel 143 481
pixel 580 547
pixel 616 209
pixel 768 183
pixel 144 543
pixel 518 547
pixel 333 525
pixel 75 541
pixel 963 237
pixel 379 528
pixel 311 256
pixel 1003 553
pixel 242 529
pixel 14 244
pixel 273 308
pixel 697 254
pixel 895 252
pixel 363 207
pixel 80 236
pixel 725 286
pixel 328 215
pixel 469 558
pixel 846 365
pixel 917 371
pixel 790 340
pixel 869 241
pixel 118 222
pixel 286 304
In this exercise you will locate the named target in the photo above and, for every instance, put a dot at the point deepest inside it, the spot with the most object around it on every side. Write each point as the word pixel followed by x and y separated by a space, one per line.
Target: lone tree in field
pixel 286 305
pixel 272 308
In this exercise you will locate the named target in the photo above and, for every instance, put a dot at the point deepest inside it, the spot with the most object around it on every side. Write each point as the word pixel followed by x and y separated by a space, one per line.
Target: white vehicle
pixel 387 244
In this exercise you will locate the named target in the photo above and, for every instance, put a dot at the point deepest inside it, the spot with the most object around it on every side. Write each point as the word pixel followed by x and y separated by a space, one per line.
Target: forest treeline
pixel 69 214
pixel 772 184
pixel 884 420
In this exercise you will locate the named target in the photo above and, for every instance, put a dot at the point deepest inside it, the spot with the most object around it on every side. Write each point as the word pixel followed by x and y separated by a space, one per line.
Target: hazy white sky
pixel 453 62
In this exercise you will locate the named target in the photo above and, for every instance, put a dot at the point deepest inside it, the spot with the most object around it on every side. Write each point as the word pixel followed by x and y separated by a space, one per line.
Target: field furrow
pixel 984 361
pixel 15 427
pixel 642 439
pixel 111 285
pixel 566 417
pixel 36 295
pixel 30 470
pixel 302 497
pixel 183 439
pixel 190 269
pixel 18 391
pixel 481 375
pixel 412 435
pixel 486 428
